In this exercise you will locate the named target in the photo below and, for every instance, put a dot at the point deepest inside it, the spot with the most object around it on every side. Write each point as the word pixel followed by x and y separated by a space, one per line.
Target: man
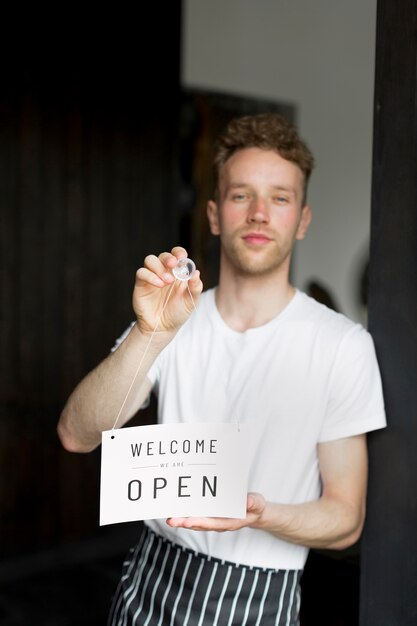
pixel 260 352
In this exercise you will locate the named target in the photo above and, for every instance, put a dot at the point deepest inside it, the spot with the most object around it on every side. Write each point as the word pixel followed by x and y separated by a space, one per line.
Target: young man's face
pixel 259 212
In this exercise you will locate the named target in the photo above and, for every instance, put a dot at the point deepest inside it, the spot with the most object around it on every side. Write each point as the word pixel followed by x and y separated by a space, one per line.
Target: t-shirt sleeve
pixel 122 337
pixel 355 402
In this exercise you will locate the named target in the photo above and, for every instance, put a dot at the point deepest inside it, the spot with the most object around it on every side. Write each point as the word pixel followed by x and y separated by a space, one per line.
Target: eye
pixel 239 197
pixel 281 199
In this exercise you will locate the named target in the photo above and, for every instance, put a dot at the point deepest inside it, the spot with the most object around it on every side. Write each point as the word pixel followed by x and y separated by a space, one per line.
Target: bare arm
pixel 333 521
pixel 94 404
pixel 96 401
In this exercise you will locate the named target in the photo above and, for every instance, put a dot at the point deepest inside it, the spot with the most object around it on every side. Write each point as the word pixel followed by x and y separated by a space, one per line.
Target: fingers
pixel 195 284
pixel 157 269
pixel 255 506
pixel 146 276
pixel 177 522
pixel 217 524
pixel 170 259
pixel 179 252
pixel 161 266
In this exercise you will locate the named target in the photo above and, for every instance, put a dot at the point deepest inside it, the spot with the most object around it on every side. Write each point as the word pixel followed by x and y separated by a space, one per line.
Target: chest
pixel 281 377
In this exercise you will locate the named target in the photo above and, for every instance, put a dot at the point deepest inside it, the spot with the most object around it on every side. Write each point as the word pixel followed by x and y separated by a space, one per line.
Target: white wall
pixel 319 55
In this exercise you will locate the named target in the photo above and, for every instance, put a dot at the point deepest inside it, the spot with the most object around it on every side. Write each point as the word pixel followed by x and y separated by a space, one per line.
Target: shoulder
pixel 339 340
pixel 325 321
pixel 355 402
pixel 309 308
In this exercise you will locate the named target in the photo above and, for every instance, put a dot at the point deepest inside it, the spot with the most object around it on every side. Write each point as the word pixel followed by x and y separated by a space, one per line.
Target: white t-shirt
pixel 310 375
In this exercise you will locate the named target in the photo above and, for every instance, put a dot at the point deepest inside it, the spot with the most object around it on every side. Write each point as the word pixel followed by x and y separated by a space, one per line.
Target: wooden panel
pixel 389 548
pixel 88 140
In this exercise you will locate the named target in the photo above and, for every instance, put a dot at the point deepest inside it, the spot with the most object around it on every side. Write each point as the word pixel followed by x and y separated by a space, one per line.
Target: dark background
pixel 89 184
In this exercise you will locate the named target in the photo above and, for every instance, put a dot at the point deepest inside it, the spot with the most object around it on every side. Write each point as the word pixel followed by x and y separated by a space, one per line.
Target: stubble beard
pixel 247 261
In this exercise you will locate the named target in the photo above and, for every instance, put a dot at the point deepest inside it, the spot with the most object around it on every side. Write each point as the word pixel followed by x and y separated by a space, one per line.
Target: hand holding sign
pixel 255 506
pixel 153 286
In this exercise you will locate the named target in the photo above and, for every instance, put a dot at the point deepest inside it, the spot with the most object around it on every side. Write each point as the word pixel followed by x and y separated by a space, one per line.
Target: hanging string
pixel 191 296
pixel 147 348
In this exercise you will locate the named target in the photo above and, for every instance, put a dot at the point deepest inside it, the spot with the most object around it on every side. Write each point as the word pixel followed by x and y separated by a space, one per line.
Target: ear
pixel 304 223
pixel 213 217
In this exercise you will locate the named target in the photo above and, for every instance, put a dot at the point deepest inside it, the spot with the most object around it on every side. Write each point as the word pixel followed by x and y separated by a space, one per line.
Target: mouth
pixel 256 239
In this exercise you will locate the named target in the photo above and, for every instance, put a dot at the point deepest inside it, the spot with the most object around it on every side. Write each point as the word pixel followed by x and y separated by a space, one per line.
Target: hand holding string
pixel 160 300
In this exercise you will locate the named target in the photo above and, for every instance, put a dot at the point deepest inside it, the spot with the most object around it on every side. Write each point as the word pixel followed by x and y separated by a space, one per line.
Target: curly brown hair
pixel 268 131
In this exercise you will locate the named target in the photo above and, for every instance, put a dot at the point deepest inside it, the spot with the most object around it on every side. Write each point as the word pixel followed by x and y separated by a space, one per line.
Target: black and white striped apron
pixel 164 584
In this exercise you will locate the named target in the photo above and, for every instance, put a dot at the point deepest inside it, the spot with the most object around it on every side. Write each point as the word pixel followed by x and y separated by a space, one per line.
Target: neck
pixel 246 301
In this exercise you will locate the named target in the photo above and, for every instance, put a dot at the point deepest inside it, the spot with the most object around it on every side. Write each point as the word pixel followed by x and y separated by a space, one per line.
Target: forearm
pixel 334 521
pixel 116 389
pixel 326 523
pixel 95 403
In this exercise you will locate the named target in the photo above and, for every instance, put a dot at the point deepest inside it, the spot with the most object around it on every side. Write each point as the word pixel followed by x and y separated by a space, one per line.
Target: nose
pixel 258 211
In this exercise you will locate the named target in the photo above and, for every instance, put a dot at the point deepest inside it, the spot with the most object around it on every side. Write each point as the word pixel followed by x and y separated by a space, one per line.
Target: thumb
pixel 255 503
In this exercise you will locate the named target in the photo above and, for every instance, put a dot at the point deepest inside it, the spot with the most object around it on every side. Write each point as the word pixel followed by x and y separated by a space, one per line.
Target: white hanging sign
pixel 173 470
